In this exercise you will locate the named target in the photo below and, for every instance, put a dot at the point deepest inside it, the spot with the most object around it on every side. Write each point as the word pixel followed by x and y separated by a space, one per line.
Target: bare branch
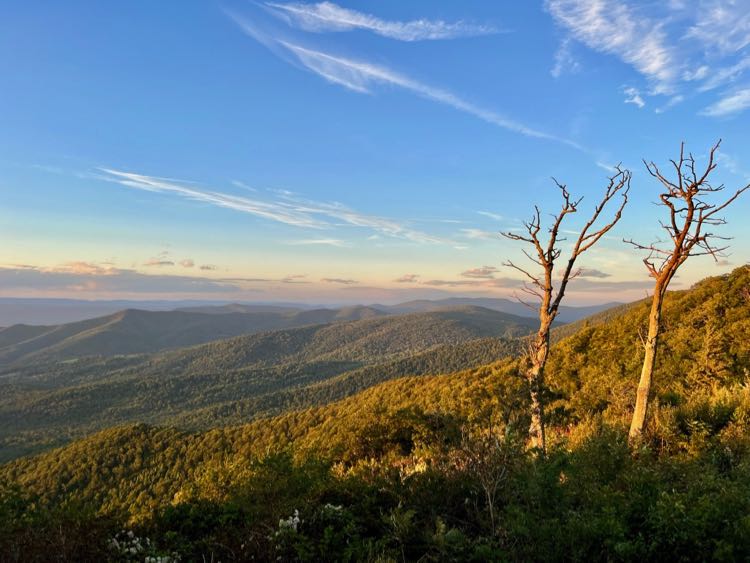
pixel 541 286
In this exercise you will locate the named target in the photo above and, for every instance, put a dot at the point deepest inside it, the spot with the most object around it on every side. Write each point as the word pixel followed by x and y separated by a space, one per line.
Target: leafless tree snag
pixel 541 285
pixel 689 216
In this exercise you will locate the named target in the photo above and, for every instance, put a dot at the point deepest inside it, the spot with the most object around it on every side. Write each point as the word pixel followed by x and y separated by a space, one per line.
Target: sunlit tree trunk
pixel 545 254
pixel 647 371
pixel 690 217
pixel 535 378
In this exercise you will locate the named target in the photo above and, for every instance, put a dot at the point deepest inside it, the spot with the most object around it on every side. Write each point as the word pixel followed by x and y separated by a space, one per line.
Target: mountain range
pixel 592 372
pixel 38 311
pixel 68 386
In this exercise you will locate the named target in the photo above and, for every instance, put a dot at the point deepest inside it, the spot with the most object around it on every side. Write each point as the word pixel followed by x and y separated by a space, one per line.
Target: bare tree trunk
pixel 649 362
pixel 542 285
pixel 535 377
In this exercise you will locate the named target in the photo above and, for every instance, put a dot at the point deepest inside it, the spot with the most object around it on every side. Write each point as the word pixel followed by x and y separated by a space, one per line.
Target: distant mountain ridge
pixel 566 314
pixel 48 312
pixel 237 379
pixel 134 331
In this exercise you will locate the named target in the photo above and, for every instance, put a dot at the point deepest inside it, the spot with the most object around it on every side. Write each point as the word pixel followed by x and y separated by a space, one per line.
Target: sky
pixel 351 152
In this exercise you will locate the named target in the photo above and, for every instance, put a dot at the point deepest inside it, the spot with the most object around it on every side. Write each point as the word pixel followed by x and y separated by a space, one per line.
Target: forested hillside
pixel 234 380
pixel 356 479
pixel 133 331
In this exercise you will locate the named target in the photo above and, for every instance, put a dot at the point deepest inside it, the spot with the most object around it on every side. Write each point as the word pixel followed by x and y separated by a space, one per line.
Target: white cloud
pixel 673 101
pixel 319 241
pixel 698 74
pixel 287 208
pixel 606 166
pixel 243 186
pixel 633 96
pixel 565 62
pixel 722 25
pixel 676 46
pixel 612 27
pixel 725 75
pixel 479 234
pixel 327 16
pixel 269 210
pixel 495 216
pixel 729 104
pixel 361 77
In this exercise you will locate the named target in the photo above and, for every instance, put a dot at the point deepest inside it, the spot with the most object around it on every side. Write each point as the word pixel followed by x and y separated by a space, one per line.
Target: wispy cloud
pixel 673 101
pixel 565 62
pixel 503 283
pixel 633 96
pixel 85 277
pixel 579 285
pixel 478 234
pixel 724 75
pixel 609 167
pixel 730 104
pixel 677 47
pixel 318 241
pixel 294 278
pixel 268 210
pixel 327 16
pixel 243 186
pixel 158 262
pixel 723 25
pixel 407 278
pixel 592 273
pixel 187 263
pixel 341 281
pixel 286 208
pixel 495 216
pixel 612 27
pixel 487 272
pixel 78 267
pixel 360 76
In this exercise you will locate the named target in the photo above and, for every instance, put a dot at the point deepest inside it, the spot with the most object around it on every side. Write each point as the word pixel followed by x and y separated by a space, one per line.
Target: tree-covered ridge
pixel 134 331
pixel 706 345
pixel 235 380
pixel 357 479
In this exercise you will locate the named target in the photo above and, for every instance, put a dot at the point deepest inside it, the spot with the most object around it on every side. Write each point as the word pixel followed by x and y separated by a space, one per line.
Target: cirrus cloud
pixel 327 16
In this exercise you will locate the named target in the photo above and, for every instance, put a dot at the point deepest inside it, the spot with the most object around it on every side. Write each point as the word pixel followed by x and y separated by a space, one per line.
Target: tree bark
pixel 535 377
pixel 649 362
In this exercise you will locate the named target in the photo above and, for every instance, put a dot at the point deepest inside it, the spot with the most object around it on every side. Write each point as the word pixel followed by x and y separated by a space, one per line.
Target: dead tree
pixel 689 216
pixel 541 285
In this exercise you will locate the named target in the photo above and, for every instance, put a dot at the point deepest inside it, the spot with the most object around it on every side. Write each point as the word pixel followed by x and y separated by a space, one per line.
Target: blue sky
pixel 348 152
